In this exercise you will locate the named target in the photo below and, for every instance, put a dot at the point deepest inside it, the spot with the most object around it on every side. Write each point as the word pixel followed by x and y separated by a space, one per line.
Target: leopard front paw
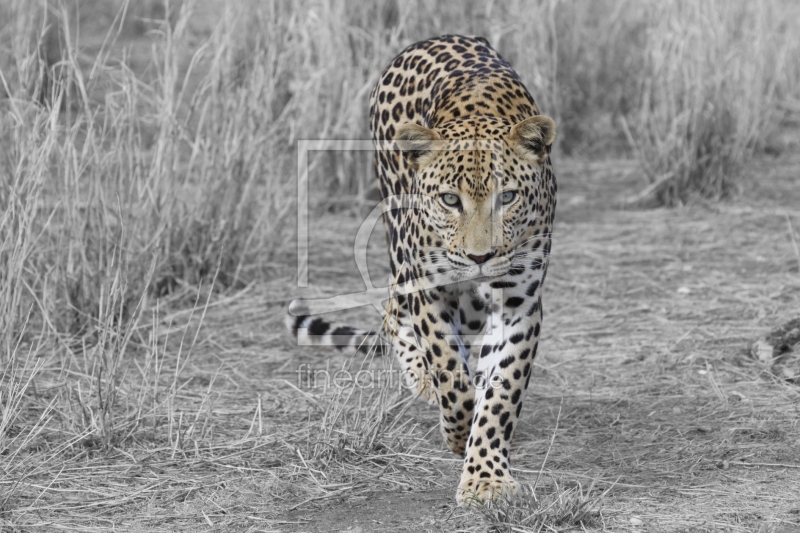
pixel 474 491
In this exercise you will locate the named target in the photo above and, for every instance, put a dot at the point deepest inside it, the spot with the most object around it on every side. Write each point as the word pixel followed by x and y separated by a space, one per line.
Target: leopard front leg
pixel 413 364
pixel 502 376
pixel 434 315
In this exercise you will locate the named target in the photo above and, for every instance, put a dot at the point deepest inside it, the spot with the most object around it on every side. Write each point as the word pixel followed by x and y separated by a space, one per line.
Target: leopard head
pixel 479 183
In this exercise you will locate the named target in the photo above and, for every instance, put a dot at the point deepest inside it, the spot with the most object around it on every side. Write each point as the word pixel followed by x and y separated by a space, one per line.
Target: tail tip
pixel 299 308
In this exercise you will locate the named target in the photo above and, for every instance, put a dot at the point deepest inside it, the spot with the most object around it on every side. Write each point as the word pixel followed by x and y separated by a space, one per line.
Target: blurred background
pixel 153 140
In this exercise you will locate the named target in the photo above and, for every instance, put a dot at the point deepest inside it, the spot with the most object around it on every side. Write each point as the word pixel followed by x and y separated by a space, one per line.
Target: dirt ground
pixel 667 422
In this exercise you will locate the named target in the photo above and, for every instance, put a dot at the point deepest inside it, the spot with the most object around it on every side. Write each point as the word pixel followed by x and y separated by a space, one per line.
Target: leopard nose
pixel 481 259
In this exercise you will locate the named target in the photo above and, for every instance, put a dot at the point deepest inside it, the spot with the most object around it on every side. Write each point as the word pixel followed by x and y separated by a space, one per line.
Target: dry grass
pixel 146 383
pixel 559 509
pixel 713 79
pixel 168 169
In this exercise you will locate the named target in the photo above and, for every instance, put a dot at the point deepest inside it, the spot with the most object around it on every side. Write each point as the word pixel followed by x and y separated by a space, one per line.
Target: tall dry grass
pixel 111 172
pixel 691 90
pixel 713 78
pixel 128 173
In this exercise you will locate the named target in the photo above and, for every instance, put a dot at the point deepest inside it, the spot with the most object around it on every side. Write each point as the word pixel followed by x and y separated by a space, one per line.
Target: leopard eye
pixel 508 197
pixel 450 200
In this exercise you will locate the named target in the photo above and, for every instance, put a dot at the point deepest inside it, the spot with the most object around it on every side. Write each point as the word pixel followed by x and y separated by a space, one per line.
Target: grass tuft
pixel 359 421
pixel 561 509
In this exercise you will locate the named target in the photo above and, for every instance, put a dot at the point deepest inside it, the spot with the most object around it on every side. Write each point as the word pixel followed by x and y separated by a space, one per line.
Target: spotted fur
pixel 462 160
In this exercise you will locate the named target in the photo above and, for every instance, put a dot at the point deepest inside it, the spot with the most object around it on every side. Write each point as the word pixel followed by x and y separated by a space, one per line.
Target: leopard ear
pixel 532 137
pixel 417 144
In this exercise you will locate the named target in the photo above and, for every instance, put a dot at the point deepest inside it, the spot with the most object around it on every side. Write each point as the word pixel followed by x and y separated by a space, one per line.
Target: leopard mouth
pixel 493 268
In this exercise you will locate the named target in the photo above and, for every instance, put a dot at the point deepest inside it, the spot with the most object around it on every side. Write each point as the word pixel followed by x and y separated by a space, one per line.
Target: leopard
pixel 462 159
